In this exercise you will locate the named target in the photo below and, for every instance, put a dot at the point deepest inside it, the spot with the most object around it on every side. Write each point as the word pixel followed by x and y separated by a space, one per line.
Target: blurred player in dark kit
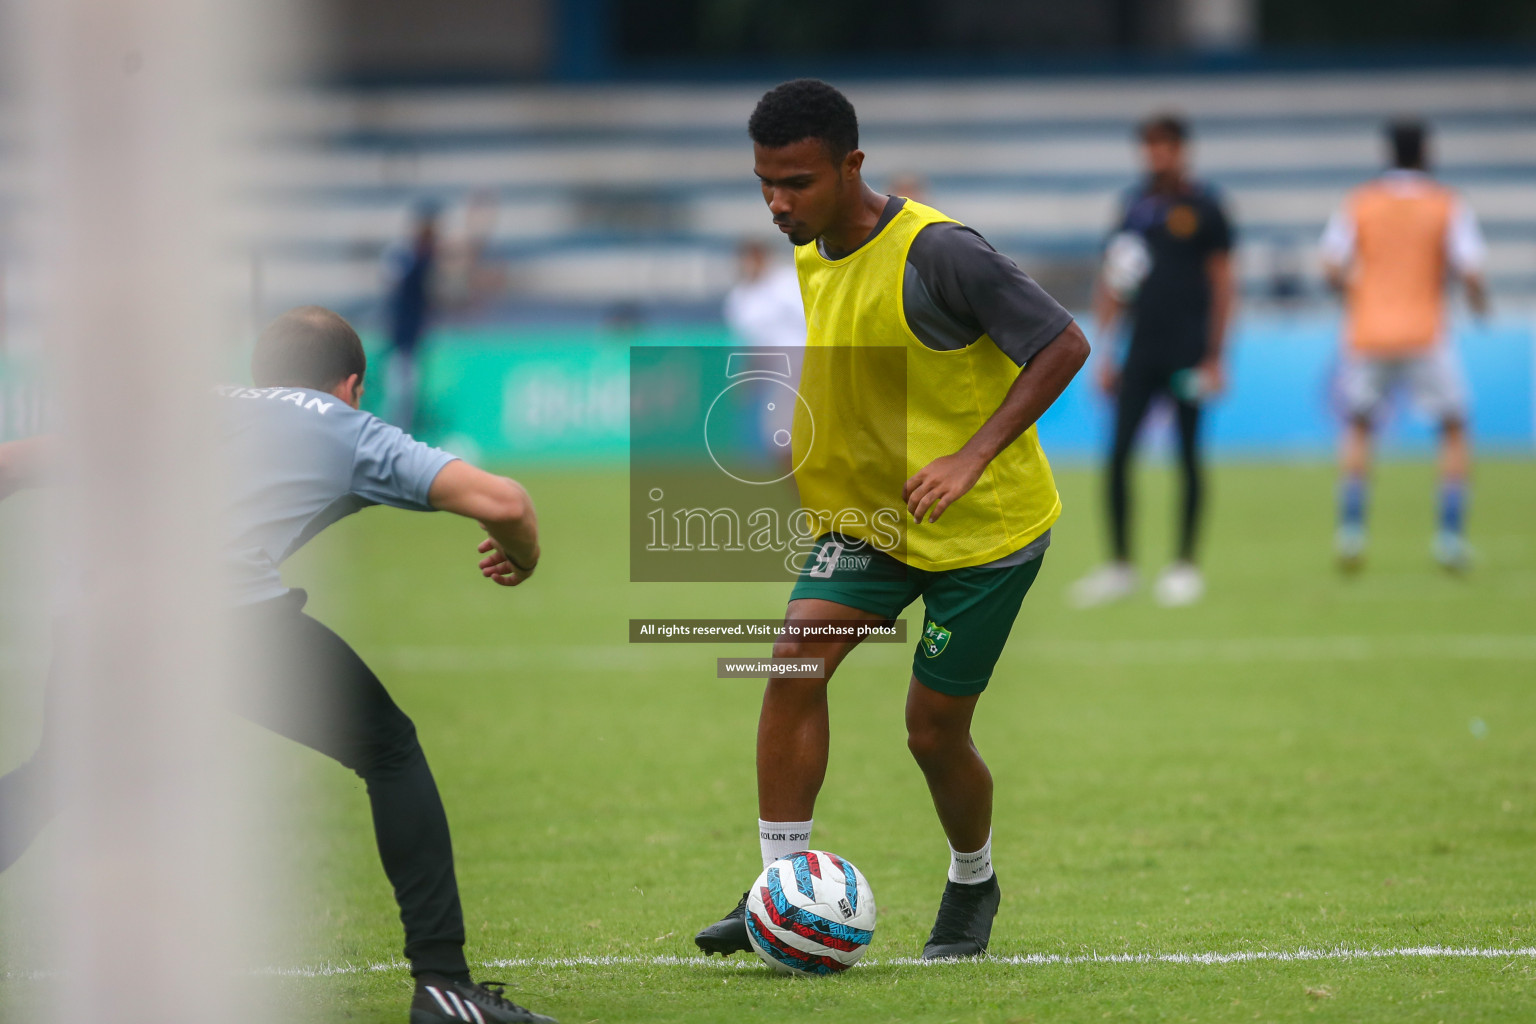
pixel 410 272
pixel 1168 269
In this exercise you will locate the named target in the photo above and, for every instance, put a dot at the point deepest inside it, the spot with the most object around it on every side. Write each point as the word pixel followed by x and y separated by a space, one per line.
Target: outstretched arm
pixel 21 464
pixel 944 480
pixel 1107 310
pixel 502 508
pixel 1338 249
pixel 1223 281
pixel 1468 253
pixel 1477 292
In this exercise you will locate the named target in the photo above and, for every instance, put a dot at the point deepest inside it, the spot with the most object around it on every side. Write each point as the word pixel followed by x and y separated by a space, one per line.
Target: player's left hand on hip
pixel 940 484
pixel 498 568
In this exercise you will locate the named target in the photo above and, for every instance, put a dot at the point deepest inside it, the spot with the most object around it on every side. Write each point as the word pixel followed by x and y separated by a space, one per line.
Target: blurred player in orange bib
pixel 1389 250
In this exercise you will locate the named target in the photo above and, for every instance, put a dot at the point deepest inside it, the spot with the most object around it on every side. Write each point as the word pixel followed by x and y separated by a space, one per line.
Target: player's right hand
pixel 500 569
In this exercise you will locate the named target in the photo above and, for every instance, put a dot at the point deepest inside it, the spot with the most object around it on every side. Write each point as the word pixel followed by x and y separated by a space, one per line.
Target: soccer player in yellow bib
pixel 984 351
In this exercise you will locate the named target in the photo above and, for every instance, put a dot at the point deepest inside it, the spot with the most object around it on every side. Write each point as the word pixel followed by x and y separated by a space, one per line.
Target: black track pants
pixel 315 690
pixel 1137 391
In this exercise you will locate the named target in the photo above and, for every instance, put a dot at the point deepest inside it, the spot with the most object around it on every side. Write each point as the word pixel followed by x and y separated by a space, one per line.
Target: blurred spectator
pixel 1287 283
pixel 912 186
pixel 763 307
pixel 1169 269
pixel 624 320
pixel 468 277
pixel 1388 249
pixel 410 269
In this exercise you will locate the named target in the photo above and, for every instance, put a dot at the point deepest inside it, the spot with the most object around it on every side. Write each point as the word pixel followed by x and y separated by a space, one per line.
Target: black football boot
pixel 727 935
pixel 964 924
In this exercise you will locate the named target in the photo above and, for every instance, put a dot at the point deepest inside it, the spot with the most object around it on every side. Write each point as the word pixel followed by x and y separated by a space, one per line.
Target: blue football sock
pixel 1352 501
pixel 1453 506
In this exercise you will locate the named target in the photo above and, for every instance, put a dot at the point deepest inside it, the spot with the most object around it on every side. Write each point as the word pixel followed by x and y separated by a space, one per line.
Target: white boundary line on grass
pixel 1343 953
pixel 1340 953
pixel 1517 647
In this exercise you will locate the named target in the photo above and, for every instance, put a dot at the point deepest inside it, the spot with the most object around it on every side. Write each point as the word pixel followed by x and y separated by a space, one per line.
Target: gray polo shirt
pixel 297 461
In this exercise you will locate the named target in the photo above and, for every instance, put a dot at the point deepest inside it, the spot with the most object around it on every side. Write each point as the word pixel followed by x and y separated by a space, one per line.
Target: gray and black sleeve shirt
pixel 957 288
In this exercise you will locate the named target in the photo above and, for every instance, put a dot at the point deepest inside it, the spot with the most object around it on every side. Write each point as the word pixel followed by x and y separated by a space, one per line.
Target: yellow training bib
pixel 880 405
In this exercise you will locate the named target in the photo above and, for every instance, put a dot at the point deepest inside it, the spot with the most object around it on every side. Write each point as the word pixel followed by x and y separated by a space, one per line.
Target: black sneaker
pixel 727 935
pixel 442 999
pixel 964 924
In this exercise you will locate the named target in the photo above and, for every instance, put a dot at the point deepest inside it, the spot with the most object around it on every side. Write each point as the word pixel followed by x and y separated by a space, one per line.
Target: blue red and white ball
pixel 810 913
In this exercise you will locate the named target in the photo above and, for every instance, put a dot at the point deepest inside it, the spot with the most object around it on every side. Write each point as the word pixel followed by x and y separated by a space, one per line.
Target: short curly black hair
pixel 806 108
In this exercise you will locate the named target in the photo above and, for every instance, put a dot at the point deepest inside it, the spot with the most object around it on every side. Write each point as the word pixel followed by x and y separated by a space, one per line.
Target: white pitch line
pixel 331 970
pixel 1342 953
pixel 1226 650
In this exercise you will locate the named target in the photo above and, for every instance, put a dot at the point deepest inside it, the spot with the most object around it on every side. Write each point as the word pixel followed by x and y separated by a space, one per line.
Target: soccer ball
pixel 1127 262
pixel 810 913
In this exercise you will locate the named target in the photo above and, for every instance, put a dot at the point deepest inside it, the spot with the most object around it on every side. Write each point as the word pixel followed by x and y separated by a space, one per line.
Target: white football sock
pixel 971 868
pixel 780 838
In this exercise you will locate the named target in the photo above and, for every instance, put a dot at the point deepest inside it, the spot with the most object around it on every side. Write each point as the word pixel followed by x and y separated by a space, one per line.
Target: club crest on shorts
pixel 935 639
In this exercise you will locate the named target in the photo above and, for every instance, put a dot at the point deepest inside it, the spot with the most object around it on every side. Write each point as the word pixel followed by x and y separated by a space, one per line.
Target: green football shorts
pixel 968 613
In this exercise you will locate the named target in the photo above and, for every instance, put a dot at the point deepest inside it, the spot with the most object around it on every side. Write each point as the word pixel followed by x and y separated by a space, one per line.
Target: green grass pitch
pixel 1301 762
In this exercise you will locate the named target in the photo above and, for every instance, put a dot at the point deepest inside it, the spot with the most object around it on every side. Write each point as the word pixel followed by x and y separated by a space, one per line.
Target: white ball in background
pixel 1127 262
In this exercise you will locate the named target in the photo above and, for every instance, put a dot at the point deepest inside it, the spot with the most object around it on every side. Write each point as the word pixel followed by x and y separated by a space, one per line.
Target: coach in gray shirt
pixel 301 455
